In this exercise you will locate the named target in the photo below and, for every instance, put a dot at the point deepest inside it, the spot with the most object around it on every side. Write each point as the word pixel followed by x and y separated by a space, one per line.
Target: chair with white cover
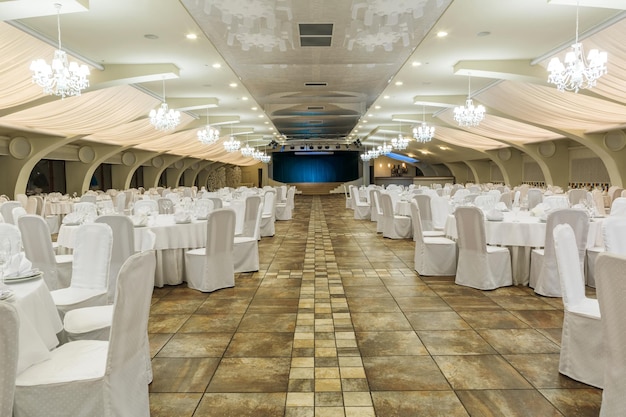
pixel 415 211
pixel 556 202
pixel 361 208
pixel 582 341
pixel 17 213
pixel 598 202
pixel 217 202
pixel 485 202
pixel 613 232
pixel 535 196
pixel 31 205
pixel 123 245
pixel 89 198
pixel 119 202
pixel 618 207
pixel 544 277
pixel 434 255
pixel 145 207
pixel 373 210
pixel 348 194
pixel 610 291
pixel 506 199
pixel 166 205
pixel 284 210
pixel 425 211
pixel 94 377
pixel 479 265
pixel 394 227
pixel 380 220
pixel 246 246
pixel 6 209
pixel 9 336
pixel 90 269
pixel 57 269
pixel 211 268
pixel 268 215
pixel 87 208
pixel 576 196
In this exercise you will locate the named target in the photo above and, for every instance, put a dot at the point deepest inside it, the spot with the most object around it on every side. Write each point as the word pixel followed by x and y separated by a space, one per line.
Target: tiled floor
pixel 337 323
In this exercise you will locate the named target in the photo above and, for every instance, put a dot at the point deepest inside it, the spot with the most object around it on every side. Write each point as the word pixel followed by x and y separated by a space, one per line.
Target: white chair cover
pixel 556 202
pixel 268 216
pixel 9 336
pixel 618 207
pixel 145 207
pixel 434 255
pixel 217 202
pixel 348 194
pixel 425 211
pixel 610 291
pixel 614 234
pixel 598 202
pixel 89 198
pixel 576 196
pixel 6 209
pixel 166 205
pixel 506 199
pixel 119 202
pixel 479 265
pixel 90 269
pixel 31 205
pixel 361 208
pixel 123 246
pixel 544 277
pixel 284 210
pixel 459 195
pixel 212 268
pixel 426 233
pixel 246 247
pixel 582 341
pixel 440 209
pixel 394 227
pixel 90 378
pixel 57 269
pixel 17 213
pixel 485 202
pixel 380 220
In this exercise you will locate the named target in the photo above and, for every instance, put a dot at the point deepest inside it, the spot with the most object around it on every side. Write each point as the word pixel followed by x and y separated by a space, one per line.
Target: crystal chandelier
pixel 261 156
pixel 576 72
pixel 400 143
pixel 366 156
pixel 247 151
pixel 469 115
pixel 423 133
pixel 232 144
pixel 385 149
pixel 61 78
pixel 164 118
pixel 209 135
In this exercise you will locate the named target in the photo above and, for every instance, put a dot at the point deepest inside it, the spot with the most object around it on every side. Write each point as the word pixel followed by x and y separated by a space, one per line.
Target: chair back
pixel 611 290
pixel 425 211
pixel 614 234
pixel 485 202
pixel 38 247
pixel 460 194
pixel 376 203
pixel 86 207
pixel 251 216
pixel 217 202
pixel 269 203
pixel 40 205
pixel 166 205
pixel 31 205
pixel 618 207
pixel 291 193
pixel 556 202
pixel 416 222
pixel 579 222
pixel 17 213
pixel 598 202
pixel 11 234
pixel 145 207
pixel 470 226
pixel 219 243
pixel 568 265
pixel 506 199
pixel 126 371
pixel 535 196
pixel 9 336
pixel 119 201
pixel 89 198
pixel 123 245
pixel 92 256
pixel 386 205
pixel 576 195
pixel 6 209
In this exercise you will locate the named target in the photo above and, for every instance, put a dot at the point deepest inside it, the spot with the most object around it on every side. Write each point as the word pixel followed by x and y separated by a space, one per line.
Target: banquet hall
pixel 340 144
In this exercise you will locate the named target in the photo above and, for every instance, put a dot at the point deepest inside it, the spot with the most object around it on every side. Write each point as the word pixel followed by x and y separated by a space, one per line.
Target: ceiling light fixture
pixel 61 78
pixel 576 72
pixel 400 143
pixel 164 118
pixel 468 115
pixel 247 151
pixel 209 135
pixel 424 133
pixel 232 144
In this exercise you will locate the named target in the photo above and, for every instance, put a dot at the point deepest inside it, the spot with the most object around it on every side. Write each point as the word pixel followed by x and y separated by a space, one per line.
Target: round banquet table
pixel 171 241
pixel 521 235
pixel 39 320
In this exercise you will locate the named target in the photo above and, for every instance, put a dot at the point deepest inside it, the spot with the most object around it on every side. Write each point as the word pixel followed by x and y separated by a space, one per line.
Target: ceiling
pixel 326 71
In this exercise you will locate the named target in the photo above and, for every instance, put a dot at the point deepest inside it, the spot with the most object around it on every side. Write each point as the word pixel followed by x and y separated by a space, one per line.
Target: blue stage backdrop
pixel 308 166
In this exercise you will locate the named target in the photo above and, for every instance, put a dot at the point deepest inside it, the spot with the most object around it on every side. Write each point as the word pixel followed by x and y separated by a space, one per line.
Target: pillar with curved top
pixel 481 171
pixel 509 160
pixel 121 175
pixel 152 173
pixel 460 171
pixel 177 170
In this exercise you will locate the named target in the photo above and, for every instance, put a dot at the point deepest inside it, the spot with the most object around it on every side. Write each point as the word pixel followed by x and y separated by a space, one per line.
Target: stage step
pixel 316 188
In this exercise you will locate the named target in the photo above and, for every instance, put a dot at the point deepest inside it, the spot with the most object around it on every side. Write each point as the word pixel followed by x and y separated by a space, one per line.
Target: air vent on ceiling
pixel 315 34
pixel 316 84
pixel 315 107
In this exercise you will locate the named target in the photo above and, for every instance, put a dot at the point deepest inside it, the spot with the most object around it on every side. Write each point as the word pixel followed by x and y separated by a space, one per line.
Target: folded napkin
pixel 500 206
pixel 540 210
pixel 74 217
pixel 182 217
pixel 18 266
pixel 494 215
pixel 139 220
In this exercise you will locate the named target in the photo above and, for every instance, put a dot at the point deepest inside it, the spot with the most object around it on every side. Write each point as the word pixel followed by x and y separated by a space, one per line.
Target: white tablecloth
pixel 521 236
pixel 39 321
pixel 172 240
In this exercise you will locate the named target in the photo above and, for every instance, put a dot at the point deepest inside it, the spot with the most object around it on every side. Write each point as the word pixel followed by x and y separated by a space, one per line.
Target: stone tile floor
pixel 338 323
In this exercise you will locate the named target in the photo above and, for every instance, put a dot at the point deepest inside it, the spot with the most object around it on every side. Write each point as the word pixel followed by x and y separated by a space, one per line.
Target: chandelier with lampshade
pixel 576 72
pixel 62 78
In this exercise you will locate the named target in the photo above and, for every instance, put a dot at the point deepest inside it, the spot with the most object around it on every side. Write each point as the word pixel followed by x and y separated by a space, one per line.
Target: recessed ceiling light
pixel 271 128
pixel 416 63
pixel 233 84
pixel 267 123
pixel 442 34
pixel 377 107
pixel 370 115
pixel 260 116
pixel 386 97
pixel 150 36
pixel 217 65
pixel 254 108
pixel 399 83
pixel 191 36
pixel 364 121
pixel 244 98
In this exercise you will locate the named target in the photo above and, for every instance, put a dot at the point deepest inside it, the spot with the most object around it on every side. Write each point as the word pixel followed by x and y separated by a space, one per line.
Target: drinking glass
pixel 515 208
pixel 5 256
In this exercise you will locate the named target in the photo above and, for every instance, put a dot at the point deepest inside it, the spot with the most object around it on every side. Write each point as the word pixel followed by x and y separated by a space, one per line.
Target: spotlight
pixel 326 147
pixel 319 146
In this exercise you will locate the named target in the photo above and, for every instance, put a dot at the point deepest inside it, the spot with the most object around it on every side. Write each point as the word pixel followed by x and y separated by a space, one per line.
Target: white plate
pixel 26 277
